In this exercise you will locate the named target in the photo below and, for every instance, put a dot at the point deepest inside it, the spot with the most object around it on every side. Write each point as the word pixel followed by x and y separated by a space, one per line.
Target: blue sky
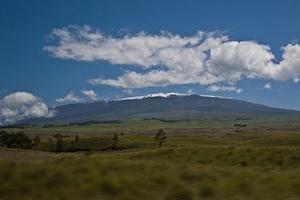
pixel 27 28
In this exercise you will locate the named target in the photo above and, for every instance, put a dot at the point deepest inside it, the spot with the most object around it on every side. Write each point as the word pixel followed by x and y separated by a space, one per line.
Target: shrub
pixel 115 141
pixel 15 140
pixel 160 137
pixel 59 142
pixel 36 141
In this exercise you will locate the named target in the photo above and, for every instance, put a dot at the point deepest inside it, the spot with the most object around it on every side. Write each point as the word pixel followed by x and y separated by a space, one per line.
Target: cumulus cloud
pixel 207 59
pixel 69 98
pixel 20 106
pixel 216 88
pixel 267 86
pixel 90 95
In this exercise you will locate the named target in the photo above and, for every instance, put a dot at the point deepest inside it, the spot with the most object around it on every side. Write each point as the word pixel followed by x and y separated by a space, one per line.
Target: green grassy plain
pixel 201 159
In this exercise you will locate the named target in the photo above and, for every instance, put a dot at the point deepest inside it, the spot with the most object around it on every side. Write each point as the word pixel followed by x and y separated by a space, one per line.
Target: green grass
pixel 263 164
pixel 204 126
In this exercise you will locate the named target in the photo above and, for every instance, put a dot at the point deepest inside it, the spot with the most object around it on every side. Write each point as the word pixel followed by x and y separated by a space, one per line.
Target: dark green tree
pixel 3 136
pixel 15 140
pixel 36 141
pixel 160 137
pixel 74 144
pixel 59 142
pixel 51 145
pixel 115 141
pixel 76 139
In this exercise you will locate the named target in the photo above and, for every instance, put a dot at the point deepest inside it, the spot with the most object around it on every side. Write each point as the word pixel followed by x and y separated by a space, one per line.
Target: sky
pixel 57 52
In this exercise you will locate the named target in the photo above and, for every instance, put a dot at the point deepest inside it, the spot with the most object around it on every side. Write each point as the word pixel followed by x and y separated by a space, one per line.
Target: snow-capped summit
pixel 164 95
pixel 167 95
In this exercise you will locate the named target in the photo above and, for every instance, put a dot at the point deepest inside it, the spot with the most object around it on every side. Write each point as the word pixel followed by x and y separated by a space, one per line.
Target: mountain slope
pixel 164 106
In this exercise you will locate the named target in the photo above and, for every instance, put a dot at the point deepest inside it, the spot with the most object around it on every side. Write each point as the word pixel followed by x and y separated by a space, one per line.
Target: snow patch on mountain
pixel 167 95
pixel 212 96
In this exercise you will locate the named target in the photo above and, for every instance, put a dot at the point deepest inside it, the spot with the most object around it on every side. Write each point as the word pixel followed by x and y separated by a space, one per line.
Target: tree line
pixel 57 143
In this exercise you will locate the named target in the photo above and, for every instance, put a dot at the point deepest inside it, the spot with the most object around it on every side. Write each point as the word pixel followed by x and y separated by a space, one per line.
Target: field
pixel 200 159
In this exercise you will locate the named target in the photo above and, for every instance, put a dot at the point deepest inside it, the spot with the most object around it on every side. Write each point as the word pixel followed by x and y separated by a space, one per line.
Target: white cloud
pixel 22 105
pixel 267 86
pixel 216 88
pixel 69 98
pixel 90 95
pixel 171 59
pixel 128 91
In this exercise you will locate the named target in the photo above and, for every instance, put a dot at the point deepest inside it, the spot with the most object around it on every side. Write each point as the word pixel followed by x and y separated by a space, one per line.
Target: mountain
pixel 170 106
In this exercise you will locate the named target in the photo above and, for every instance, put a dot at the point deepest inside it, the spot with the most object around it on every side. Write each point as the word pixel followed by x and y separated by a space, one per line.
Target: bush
pixel 160 137
pixel 59 142
pixel 240 125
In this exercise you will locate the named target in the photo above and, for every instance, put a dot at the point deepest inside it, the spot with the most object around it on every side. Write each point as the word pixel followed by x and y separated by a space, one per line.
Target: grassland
pixel 201 159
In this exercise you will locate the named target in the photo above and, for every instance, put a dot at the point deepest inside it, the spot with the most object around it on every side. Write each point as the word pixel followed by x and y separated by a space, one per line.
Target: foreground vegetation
pixel 234 165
